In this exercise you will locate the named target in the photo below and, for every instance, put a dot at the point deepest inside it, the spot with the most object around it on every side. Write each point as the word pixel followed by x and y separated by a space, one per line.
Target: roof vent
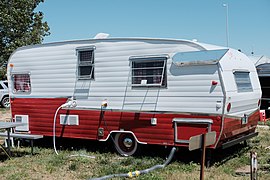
pixel 101 36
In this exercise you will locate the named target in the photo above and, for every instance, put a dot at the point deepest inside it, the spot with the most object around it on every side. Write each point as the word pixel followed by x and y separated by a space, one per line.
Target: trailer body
pixel 137 90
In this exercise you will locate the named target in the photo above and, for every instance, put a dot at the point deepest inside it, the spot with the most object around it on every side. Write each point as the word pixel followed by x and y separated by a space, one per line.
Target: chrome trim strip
pixel 224 101
pixel 193 120
pixel 150 112
pixel 150 57
pixel 90 47
pixel 183 141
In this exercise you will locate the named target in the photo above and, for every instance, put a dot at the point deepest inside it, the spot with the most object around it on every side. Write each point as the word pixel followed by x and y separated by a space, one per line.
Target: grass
pixel 45 164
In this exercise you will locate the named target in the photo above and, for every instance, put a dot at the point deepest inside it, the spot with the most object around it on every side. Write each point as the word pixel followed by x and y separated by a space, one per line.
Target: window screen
pixel 149 73
pixel 243 82
pixel 86 64
pixel 21 83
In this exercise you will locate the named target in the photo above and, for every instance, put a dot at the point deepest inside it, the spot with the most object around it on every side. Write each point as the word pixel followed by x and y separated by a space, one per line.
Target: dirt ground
pixel 5 114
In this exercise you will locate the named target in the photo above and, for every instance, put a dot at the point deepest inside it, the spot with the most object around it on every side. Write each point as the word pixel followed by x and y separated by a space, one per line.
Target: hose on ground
pixel 137 173
pixel 54 124
pixel 69 103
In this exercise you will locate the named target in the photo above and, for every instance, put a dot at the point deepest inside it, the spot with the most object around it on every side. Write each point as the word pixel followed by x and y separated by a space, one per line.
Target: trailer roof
pixel 196 44
pixel 258 60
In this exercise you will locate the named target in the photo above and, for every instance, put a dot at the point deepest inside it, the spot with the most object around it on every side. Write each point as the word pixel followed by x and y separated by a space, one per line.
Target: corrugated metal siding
pixel 53 74
pixel 41 121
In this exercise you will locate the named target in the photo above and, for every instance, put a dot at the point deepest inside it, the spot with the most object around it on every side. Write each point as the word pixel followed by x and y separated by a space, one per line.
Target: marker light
pixel 229 107
pixel 214 83
pixel 104 103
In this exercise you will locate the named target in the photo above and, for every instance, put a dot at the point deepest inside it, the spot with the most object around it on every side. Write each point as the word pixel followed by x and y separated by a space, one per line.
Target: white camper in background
pixel 135 90
pixel 262 64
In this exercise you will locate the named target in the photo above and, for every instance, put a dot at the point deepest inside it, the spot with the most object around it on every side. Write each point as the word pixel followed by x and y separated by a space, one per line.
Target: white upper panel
pixel 53 74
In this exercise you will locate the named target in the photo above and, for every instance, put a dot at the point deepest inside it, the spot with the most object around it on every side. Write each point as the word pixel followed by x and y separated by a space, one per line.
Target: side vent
pixel 69 119
pixel 22 119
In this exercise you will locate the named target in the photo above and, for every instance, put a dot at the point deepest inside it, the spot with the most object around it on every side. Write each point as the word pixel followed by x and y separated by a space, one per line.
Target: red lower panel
pixel 234 128
pixel 41 113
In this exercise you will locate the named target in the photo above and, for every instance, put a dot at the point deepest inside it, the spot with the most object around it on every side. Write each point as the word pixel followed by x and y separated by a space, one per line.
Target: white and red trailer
pixel 136 90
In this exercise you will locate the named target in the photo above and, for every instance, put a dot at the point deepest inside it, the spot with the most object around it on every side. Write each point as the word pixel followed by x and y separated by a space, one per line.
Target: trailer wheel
pixel 5 102
pixel 125 144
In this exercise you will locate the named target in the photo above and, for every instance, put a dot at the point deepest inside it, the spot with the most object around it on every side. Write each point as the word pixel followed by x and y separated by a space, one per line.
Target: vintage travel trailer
pixel 135 91
pixel 262 64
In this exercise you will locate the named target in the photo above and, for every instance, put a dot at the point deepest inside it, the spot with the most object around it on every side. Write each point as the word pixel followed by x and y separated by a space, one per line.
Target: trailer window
pixel 149 73
pixel 243 82
pixel 86 64
pixel 21 83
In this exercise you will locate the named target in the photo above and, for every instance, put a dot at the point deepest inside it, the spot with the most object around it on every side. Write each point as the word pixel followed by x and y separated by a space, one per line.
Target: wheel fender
pixel 115 132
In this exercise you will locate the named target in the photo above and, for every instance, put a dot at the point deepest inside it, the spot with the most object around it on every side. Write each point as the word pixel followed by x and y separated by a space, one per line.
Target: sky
pixel 203 20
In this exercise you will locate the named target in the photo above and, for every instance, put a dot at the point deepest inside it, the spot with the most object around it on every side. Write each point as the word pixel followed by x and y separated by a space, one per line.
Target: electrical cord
pixel 70 103
pixel 54 125
pixel 106 126
pixel 54 134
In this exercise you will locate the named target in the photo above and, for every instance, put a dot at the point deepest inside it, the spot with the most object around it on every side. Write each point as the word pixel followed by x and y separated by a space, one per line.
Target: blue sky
pixel 204 20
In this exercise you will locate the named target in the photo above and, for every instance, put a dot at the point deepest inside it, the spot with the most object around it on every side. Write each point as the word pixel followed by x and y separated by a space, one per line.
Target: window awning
pixel 149 57
pixel 198 57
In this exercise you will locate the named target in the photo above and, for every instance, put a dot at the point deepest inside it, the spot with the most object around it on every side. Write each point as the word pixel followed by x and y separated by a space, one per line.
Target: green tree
pixel 20 25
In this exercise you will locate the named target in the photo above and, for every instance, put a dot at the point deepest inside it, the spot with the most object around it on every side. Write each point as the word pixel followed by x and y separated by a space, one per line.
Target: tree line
pixel 20 25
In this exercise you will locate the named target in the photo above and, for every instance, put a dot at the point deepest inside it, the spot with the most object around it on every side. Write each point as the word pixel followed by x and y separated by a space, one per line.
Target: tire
pixel 5 102
pixel 125 144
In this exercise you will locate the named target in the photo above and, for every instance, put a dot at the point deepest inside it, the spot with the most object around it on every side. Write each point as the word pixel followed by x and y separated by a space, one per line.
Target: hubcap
pixel 128 142
pixel 6 102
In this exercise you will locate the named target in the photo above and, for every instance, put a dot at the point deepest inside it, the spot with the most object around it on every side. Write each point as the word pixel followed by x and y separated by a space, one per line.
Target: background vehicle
pixel 4 96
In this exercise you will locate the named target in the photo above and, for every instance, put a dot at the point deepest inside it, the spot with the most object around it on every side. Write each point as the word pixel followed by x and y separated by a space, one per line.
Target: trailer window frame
pixel 150 71
pixel 243 81
pixel 86 64
pixel 22 83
